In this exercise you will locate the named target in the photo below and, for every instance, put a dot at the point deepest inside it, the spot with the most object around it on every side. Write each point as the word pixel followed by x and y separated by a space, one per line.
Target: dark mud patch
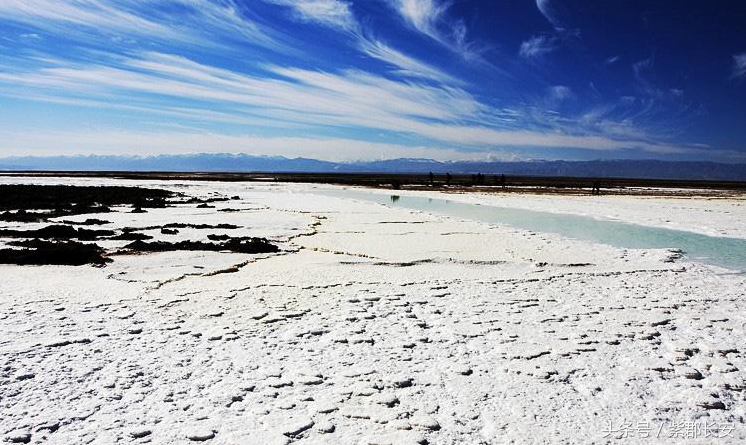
pixel 201 226
pixel 62 243
pixel 171 226
pixel 69 253
pixel 247 245
pixel 58 231
pixel 201 201
pixel 30 203
pixel 131 236
pixel 25 216
pixel 87 222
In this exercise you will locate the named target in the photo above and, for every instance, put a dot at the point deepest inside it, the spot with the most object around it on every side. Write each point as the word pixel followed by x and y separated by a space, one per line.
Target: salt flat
pixel 377 325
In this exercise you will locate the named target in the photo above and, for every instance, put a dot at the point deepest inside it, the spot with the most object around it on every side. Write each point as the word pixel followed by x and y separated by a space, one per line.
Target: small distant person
pixel 596 188
pixel 502 181
pixel 431 177
pixel 448 179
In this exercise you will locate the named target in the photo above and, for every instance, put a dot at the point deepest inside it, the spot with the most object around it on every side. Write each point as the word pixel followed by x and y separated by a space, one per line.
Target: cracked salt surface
pixel 427 330
pixel 716 250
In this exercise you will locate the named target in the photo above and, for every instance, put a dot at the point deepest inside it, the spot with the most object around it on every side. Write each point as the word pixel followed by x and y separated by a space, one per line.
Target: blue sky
pixel 350 80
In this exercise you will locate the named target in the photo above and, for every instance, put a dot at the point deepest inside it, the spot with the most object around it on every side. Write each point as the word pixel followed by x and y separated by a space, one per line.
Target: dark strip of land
pixel 452 183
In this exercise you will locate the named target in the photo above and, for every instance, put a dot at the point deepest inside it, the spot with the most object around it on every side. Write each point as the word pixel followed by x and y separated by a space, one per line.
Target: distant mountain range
pixel 642 169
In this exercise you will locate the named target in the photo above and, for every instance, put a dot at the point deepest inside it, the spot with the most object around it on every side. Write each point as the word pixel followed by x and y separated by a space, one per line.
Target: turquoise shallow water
pixel 719 251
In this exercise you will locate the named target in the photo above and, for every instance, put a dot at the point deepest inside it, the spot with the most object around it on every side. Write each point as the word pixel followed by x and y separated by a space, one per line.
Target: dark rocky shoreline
pixel 65 244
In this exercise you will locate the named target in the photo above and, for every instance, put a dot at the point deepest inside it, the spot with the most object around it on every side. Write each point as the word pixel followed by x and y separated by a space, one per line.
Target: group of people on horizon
pixel 477 179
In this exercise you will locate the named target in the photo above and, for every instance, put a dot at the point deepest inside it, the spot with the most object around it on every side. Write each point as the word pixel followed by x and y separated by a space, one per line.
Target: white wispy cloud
pixel 332 13
pixel 350 98
pixel 739 65
pixel 612 60
pixel 537 47
pixel 548 10
pixel 89 19
pixel 640 70
pixel 117 142
pixel 429 18
pixel 405 65
pixel 423 15
pixel 559 93
pixel 338 15
pixel 412 101
pixel 92 13
pixel 643 71
pixel 443 115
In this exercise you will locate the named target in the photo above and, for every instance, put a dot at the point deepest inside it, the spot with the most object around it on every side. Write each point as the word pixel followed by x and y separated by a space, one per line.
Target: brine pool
pixel 729 253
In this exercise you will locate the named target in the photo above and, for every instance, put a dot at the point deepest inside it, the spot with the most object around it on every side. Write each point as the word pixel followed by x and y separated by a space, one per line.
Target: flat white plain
pixel 375 325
